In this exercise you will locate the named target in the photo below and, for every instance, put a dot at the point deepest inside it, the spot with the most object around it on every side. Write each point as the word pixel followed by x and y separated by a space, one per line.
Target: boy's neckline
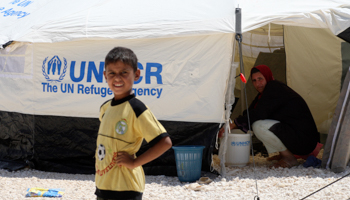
pixel 120 101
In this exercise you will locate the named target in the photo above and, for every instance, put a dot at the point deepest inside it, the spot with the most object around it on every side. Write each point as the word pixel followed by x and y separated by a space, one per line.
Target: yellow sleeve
pixel 149 126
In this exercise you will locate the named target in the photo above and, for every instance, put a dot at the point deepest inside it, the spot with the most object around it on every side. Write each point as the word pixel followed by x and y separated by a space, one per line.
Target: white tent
pixel 185 51
pixel 57 21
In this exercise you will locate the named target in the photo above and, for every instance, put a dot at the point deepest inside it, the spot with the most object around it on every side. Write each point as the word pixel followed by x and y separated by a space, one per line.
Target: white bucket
pixel 238 148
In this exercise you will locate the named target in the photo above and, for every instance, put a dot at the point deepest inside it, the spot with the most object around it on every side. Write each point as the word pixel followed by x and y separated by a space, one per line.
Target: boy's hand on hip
pixel 126 160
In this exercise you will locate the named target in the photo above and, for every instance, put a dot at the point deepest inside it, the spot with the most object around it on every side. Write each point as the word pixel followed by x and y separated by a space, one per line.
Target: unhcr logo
pixel 240 143
pixel 53 70
pixel 80 76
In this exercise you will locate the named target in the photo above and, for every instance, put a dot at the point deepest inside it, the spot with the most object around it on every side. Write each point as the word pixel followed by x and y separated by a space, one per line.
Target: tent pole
pixel 239 39
pixel 243 85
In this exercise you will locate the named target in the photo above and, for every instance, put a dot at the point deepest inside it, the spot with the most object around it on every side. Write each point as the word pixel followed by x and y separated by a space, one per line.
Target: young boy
pixel 125 122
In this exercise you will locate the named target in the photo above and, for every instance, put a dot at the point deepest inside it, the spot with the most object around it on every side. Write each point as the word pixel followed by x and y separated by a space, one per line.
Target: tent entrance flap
pixel 336 153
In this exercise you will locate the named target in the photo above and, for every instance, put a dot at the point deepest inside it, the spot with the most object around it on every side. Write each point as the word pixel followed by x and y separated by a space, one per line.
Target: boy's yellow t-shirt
pixel 124 125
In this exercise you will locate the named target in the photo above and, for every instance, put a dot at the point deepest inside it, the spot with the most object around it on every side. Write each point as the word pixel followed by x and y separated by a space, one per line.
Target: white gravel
pixel 240 183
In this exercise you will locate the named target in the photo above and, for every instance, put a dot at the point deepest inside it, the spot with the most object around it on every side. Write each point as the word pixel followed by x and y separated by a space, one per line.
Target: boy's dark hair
pixel 127 56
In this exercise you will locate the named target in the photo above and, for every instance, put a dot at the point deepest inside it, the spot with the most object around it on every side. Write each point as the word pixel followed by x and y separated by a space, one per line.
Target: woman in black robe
pixel 280 118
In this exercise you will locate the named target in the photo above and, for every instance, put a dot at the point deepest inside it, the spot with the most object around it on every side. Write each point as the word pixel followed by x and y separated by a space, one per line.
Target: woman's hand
pixel 222 130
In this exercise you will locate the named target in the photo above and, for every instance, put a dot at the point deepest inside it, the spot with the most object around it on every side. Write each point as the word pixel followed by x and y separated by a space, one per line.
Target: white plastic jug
pixel 238 148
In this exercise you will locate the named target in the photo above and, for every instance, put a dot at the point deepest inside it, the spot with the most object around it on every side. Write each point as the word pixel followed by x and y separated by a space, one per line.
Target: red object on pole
pixel 242 78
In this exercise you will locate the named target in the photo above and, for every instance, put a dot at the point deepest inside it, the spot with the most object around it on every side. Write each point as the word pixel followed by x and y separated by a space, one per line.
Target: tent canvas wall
pixel 185 51
pixel 185 87
pixel 57 109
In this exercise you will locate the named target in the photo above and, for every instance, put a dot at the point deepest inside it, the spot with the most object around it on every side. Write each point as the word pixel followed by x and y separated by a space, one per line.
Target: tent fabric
pixel 16 136
pixel 229 102
pixel 55 21
pixel 336 153
pixel 175 71
pixel 184 47
pixel 67 144
pixel 315 70
pixel 63 111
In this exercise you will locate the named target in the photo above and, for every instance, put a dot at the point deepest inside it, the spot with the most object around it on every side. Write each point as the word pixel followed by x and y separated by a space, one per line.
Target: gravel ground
pixel 240 183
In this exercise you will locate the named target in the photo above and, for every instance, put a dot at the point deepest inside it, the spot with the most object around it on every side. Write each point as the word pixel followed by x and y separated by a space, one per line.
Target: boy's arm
pixel 124 159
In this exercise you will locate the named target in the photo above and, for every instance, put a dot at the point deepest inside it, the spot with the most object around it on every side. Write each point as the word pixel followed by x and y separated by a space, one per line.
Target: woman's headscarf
pixel 266 72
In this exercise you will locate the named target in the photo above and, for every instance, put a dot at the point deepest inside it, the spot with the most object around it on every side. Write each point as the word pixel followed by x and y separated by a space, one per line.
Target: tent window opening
pixel 265 39
pixel 13 61
pixel 12 64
